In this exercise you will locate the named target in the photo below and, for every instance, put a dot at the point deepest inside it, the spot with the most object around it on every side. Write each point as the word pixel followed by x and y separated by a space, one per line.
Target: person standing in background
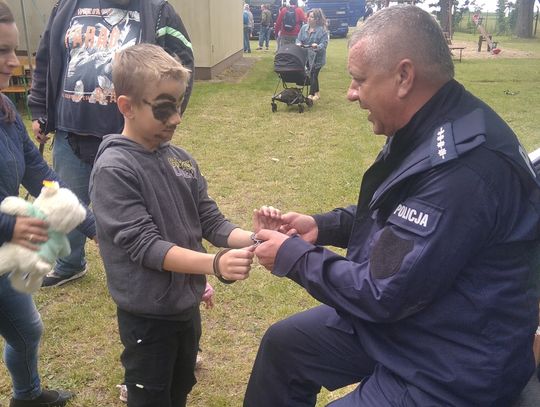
pixel 72 88
pixel 251 21
pixel 247 18
pixel 288 23
pixel 314 35
pixel 266 27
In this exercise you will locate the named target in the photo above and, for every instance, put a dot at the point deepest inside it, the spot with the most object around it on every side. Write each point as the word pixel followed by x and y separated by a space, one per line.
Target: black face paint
pixel 164 107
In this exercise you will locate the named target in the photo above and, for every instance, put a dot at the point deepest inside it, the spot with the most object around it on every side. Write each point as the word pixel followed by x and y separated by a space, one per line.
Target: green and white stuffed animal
pixel 62 211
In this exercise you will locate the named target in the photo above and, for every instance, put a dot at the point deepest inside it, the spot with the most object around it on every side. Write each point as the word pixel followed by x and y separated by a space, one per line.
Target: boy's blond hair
pixel 137 67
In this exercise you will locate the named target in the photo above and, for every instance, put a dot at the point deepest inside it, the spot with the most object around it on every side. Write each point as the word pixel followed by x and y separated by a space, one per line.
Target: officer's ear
pixel 406 74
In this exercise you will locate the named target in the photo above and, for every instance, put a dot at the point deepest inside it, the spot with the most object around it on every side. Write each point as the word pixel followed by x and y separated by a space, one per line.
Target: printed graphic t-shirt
pixel 87 103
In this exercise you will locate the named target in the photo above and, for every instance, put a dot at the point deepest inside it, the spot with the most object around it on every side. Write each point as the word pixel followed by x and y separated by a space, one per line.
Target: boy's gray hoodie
pixel 144 203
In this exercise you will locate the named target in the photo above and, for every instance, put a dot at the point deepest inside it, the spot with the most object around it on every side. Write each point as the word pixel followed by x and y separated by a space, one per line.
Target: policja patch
pixel 416 216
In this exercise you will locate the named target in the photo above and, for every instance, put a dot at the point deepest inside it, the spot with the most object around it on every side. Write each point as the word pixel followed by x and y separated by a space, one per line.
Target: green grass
pixel 308 162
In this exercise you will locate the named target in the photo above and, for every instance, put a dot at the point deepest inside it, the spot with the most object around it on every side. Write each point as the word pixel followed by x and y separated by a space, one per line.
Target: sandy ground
pixel 471 51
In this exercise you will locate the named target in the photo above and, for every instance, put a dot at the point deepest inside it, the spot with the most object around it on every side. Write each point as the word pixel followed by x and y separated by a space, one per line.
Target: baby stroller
pixel 293 65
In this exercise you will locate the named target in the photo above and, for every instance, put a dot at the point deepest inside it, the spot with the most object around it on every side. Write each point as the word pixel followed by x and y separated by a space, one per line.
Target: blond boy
pixel 152 211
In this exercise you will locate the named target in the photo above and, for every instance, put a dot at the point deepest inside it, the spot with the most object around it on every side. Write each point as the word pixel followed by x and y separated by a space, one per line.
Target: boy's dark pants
pixel 159 358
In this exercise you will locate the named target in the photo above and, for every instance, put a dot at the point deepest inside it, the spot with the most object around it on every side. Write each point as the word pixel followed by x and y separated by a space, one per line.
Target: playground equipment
pixel 491 45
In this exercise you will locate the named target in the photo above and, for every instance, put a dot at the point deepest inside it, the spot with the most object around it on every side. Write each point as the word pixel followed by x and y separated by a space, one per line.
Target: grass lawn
pixel 250 156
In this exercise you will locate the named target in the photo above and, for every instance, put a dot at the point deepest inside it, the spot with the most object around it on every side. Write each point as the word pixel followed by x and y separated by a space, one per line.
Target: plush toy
pixel 62 211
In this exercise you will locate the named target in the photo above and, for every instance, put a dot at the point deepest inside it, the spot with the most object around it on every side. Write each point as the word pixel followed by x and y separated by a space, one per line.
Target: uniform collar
pixel 432 137
pixel 435 110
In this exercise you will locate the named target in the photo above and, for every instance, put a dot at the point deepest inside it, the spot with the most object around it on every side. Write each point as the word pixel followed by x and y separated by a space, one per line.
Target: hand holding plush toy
pixel 62 211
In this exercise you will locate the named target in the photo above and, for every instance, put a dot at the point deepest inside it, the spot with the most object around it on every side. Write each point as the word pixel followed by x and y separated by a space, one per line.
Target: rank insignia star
pixel 441 144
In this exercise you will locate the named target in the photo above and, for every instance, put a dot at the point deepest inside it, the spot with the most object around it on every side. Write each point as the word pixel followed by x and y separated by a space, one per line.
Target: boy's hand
pixel 267 217
pixel 208 296
pixel 236 264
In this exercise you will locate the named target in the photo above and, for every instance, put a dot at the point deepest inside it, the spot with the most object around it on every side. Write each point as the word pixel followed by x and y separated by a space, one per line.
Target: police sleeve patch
pixel 388 254
pixel 416 216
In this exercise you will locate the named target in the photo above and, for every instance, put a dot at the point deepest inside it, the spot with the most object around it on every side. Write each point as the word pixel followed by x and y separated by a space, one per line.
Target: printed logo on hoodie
pixel 182 168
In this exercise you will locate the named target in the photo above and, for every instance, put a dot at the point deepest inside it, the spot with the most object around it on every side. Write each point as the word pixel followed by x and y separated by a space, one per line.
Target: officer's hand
pixel 304 225
pixel 266 252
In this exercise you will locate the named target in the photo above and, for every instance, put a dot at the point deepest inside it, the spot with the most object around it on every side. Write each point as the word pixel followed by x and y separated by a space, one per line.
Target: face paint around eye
pixel 163 111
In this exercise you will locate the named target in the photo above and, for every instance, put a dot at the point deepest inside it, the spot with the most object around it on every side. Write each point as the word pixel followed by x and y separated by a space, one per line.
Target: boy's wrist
pixel 215 267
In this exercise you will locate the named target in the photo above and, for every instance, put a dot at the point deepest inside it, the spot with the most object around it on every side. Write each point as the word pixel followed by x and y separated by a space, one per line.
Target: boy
pixel 152 212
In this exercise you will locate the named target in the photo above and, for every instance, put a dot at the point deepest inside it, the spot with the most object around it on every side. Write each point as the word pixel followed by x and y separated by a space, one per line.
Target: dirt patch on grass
pixel 236 72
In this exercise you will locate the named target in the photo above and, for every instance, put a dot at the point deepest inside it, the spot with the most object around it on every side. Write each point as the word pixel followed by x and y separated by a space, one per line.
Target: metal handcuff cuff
pixel 215 264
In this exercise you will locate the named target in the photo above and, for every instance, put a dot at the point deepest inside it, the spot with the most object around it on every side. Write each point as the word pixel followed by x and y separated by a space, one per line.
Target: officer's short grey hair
pixel 405 31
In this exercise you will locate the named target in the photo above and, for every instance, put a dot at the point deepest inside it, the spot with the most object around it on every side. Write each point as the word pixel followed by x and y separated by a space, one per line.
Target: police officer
pixel 432 304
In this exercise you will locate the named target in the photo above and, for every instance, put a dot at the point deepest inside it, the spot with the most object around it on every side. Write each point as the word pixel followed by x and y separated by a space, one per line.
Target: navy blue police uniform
pixel 434 303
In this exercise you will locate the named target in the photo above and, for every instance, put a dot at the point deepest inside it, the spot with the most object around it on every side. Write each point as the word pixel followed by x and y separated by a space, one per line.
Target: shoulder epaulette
pixel 452 139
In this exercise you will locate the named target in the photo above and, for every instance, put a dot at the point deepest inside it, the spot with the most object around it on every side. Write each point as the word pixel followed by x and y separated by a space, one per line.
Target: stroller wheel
pixel 274 107
pixel 300 108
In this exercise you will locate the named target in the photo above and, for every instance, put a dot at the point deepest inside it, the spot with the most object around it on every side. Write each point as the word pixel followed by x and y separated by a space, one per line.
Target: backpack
pixel 289 19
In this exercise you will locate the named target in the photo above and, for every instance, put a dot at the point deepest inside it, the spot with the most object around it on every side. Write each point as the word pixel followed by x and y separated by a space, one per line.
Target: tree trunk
pixel 525 14
pixel 444 16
